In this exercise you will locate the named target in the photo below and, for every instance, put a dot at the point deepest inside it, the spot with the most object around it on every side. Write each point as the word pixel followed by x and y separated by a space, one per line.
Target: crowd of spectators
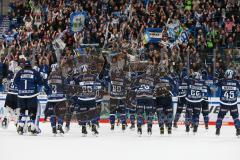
pixel 119 25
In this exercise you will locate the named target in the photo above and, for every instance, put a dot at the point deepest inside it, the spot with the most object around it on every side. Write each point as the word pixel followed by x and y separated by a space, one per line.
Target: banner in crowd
pixel 58 44
pixel 153 35
pixel 77 21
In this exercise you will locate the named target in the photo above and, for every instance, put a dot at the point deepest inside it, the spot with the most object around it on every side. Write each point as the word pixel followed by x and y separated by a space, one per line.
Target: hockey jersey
pixel 194 92
pixel 229 89
pixel 27 82
pixel 87 83
pixel 55 87
pixel 144 86
pixel 117 85
pixel 182 88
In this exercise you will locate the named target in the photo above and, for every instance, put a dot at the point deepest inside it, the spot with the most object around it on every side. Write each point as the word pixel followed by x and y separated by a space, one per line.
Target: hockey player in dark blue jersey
pixel 182 92
pixel 144 89
pixel 72 98
pixel 205 92
pixel 165 87
pixel 131 103
pixel 27 81
pixel 228 100
pixel 11 107
pixel 117 96
pixel 56 104
pixel 194 98
pixel 86 109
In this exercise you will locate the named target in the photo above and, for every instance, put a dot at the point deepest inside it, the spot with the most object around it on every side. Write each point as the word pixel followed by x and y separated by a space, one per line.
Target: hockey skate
pixel 60 129
pixel 20 130
pixel 139 131
pixel 217 132
pixel 54 131
pixel 175 125
pixel 206 126
pixel 238 132
pixel 112 127
pixel 149 130
pixel 94 130
pixel 84 131
pixel 161 130
pixel 195 128
pixel 169 130
pixel 123 127
pixel 187 129
pixel 5 123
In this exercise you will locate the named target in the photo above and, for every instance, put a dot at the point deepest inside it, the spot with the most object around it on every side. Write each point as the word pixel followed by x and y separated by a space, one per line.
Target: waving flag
pixel 153 35
pixel 77 21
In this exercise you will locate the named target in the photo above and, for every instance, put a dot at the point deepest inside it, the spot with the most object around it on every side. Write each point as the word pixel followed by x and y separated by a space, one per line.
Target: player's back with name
pixel 87 86
pixel 194 92
pixel 117 85
pixel 144 86
pixel 27 81
pixel 56 85
pixel 229 89
pixel 182 88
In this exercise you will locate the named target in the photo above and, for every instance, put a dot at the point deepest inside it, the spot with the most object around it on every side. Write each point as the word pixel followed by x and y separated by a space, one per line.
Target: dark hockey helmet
pixel 204 74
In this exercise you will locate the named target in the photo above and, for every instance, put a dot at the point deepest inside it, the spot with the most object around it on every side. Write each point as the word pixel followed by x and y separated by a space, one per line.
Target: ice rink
pixel 120 146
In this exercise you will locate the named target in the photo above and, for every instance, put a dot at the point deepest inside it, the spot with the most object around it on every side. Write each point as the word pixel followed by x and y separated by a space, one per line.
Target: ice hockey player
pixel 86 109
pixel 11 109
pixel 27 81
pixel 71 97
pixel 182 92
pixel 194 101
pixel 131 103
pixel 56 103
pixel 117 96
pixel 205 91
pixel 228 100
pixel 144 88
pixel 164 89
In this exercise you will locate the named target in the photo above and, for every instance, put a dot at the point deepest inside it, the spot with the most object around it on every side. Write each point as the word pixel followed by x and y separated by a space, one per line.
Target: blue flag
pixel 77 21
pixel 153 35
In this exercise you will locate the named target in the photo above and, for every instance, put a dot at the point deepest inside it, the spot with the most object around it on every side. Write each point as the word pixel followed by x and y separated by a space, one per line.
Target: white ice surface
pixel 120 146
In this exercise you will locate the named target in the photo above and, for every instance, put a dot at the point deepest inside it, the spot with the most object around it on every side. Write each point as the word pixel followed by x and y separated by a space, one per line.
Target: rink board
pixel 214 107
